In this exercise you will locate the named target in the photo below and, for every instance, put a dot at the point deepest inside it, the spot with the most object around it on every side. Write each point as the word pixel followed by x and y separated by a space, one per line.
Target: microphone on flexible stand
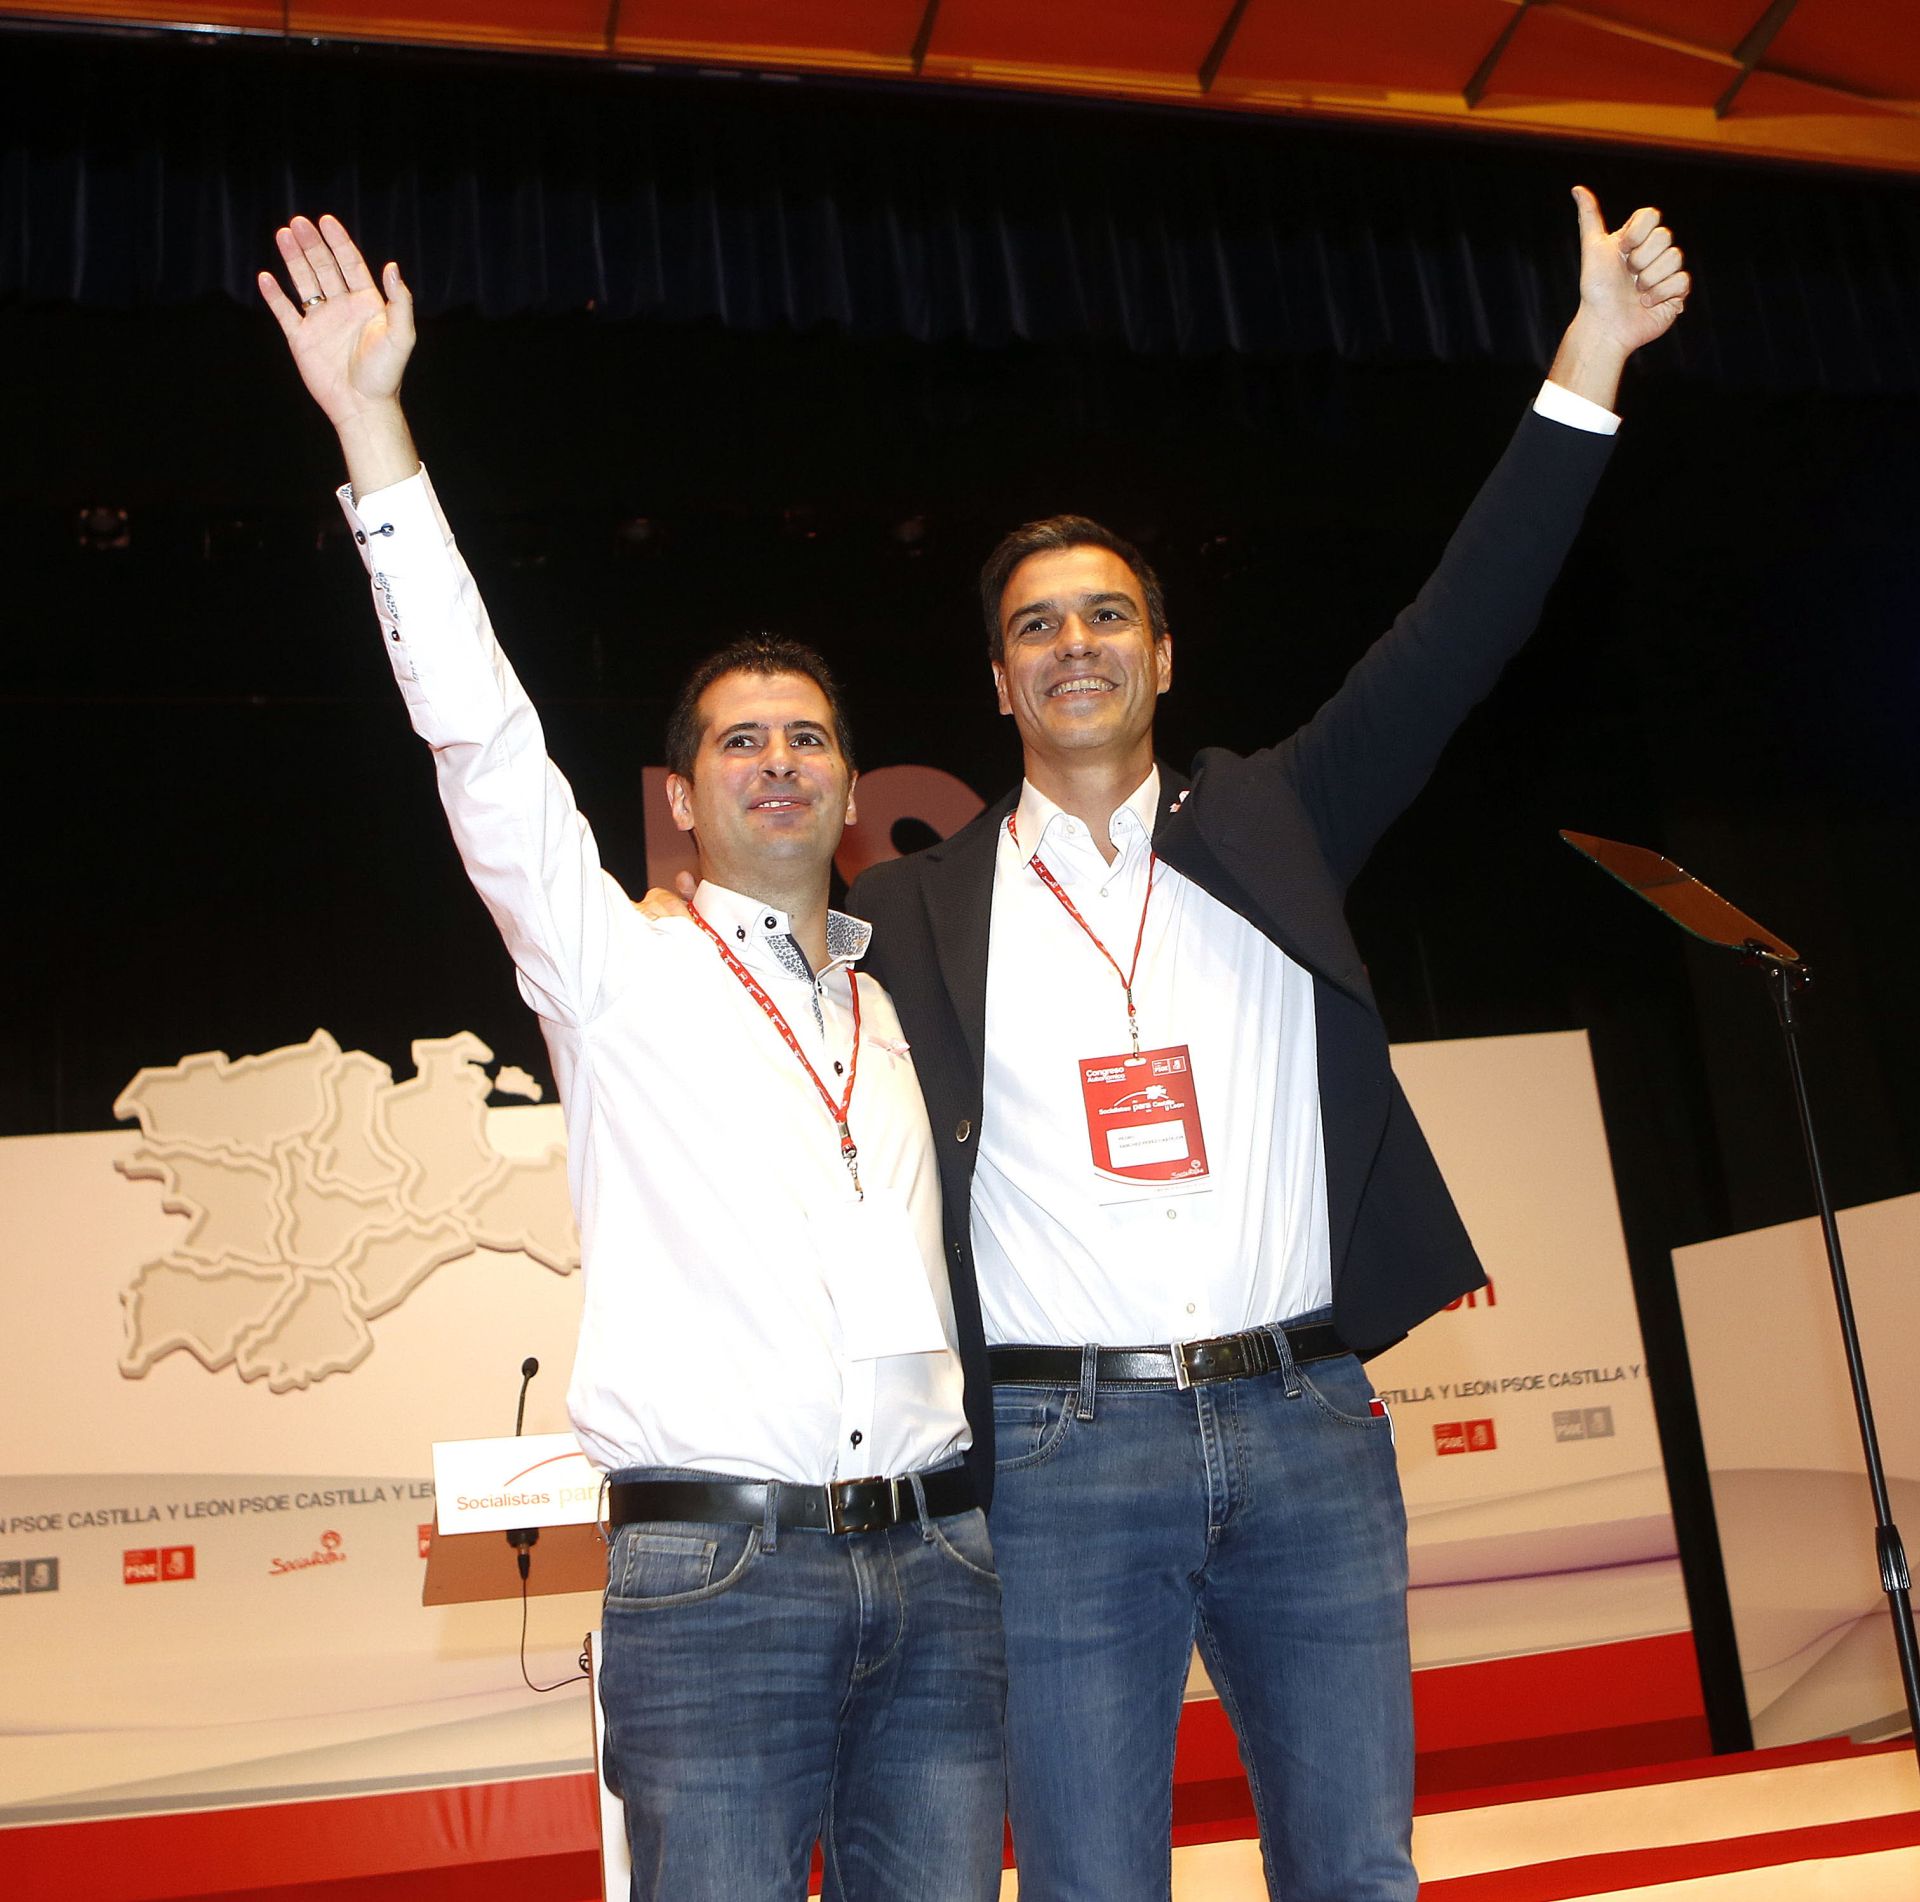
pixel 524 1538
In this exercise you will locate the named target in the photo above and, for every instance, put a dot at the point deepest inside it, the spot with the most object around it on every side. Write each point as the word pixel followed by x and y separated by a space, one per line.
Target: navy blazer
pixel 1277 836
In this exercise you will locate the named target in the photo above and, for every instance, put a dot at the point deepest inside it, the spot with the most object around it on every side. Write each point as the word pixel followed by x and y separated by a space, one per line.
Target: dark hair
pixel 1049 537
pixel 752 654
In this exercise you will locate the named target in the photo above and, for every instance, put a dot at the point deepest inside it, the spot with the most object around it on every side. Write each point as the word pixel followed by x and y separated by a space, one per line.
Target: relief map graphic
pixel 319 1193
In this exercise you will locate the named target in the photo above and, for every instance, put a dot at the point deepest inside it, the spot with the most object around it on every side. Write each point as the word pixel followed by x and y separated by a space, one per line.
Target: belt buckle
pixel 843 1493
pixel 1182 1373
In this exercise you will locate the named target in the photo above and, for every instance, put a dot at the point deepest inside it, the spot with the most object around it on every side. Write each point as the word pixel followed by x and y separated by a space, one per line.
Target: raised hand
pixel 350 340
pixel 1633 286
pixel 1633 281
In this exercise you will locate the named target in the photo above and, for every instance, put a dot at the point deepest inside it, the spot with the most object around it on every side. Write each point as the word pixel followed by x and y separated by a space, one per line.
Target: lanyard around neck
pixel 1126 977
pixel 849 1154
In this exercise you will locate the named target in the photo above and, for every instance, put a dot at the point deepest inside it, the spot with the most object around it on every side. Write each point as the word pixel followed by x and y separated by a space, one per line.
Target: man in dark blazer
pixel 1184 1193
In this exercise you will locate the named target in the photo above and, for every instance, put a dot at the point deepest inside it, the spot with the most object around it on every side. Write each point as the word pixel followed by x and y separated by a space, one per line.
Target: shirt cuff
pixel 394 521
pixel 1558 404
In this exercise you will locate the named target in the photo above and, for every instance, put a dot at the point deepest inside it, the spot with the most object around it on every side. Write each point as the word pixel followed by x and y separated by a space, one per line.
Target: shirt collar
pixel 746 924
pixel 1037 813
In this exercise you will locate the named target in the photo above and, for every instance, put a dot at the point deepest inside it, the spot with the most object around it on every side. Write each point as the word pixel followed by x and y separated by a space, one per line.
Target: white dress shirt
pixel 1061 1259
pixel 1063 1256
pixel 706 1173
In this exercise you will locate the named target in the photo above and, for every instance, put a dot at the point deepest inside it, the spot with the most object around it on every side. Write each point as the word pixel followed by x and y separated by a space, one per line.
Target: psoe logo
pixel 156 1565
pixel 1464 1436
pixel 425 1535
pixel 21 1576
pixel 1584 1423
pixel 327 1552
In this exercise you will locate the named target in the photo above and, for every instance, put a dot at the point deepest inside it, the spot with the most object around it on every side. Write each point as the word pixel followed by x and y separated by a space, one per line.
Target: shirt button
pixel 855 1437
pixel 360 535
pixel 1173 1215
pixel 772 923
pixel 740 932
pixel 1103 891
pixel 1190 1307
pixel 962 1130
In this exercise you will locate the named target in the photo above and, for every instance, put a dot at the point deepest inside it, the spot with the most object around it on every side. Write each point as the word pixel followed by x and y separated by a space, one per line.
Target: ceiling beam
pixel 1710 55
pixel 1217 52
pixel 1476 88
pixel 923 35
pixel 1752 50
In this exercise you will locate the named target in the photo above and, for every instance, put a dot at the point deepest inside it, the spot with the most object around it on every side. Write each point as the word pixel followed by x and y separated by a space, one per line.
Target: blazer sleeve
pixel 1359 762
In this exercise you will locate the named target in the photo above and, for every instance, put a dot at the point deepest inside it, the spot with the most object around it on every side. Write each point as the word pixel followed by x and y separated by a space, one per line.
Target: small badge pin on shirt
pixel 1181 800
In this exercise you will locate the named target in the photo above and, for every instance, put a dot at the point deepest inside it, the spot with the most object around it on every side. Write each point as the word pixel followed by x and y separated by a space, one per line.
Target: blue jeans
pixel 764 1691
pixel 1260 1516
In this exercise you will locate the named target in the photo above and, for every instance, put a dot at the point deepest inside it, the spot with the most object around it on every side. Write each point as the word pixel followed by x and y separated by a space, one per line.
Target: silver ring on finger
pixel 314 302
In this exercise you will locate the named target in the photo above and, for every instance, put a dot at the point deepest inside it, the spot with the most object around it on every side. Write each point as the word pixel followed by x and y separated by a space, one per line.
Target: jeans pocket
pixel 1028 1424
pixel 1342 1391
pixel 963 1538
pixel 652 1566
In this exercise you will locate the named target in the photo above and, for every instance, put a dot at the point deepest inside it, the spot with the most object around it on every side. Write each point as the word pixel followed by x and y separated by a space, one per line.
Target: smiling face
pixel 1081 669
pixel 770 790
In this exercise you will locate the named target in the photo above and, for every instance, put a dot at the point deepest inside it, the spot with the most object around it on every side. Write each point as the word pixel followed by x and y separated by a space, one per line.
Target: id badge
pixel 1143 1117
pixel 877 1278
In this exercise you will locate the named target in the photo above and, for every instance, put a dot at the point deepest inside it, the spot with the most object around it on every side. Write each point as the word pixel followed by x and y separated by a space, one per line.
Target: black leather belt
pixel 848 1505
pixel 1185 1363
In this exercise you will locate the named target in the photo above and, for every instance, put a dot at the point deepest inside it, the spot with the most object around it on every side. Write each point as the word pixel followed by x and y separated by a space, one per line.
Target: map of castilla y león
pixel 318 1194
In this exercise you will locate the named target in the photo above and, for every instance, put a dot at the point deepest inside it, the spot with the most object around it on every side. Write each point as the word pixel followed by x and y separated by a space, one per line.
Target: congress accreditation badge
pixel 1143 1118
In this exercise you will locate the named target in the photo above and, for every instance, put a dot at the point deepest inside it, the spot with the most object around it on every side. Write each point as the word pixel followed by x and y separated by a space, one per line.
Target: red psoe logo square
pixel 176 1562
pixel 141 1567
pixel 1450 1437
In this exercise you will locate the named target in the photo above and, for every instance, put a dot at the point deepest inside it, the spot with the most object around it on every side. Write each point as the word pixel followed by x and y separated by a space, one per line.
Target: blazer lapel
pixel 957 882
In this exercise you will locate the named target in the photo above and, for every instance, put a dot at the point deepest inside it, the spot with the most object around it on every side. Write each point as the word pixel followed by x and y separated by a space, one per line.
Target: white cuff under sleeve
pixel 1558 404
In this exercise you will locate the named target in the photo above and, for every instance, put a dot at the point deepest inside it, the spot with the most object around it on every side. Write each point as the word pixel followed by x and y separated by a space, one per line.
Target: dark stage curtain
pixel 141 173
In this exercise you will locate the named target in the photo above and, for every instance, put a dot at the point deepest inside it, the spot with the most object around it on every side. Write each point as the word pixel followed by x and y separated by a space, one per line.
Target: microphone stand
pixel 524 1538
pixel 1698 909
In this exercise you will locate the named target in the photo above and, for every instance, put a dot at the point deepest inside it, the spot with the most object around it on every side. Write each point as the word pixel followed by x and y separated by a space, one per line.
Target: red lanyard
pixel 1139 937
pixel 849 1154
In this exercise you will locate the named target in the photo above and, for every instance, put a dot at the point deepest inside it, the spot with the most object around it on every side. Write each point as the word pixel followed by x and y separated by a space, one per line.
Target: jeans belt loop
pixel 770 1519
pixel 920 1500
pixel 1089 1379
pixel 1289 1374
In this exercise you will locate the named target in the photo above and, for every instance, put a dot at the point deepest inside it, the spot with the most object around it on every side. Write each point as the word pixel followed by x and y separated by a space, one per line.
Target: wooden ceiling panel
pixel 1715 25
pixel 576 26
pixel 1392 46
pixel 1873 45
pixel 873 36
pixel 1125 36
pixel 1778 97
pixel 261 16
pixel 1552 57
pixel 1838 83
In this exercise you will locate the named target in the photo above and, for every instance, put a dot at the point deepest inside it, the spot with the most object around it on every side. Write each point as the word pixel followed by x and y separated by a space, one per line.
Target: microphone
pixel 524 1538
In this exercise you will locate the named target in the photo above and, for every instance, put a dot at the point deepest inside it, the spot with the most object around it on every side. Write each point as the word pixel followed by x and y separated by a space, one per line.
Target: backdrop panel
pixel 1783 1448
pixel 239 1328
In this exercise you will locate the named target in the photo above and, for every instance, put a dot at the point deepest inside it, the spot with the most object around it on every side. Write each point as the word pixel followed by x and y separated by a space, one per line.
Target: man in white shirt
pixel 1177 1165
pixel 801 1631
